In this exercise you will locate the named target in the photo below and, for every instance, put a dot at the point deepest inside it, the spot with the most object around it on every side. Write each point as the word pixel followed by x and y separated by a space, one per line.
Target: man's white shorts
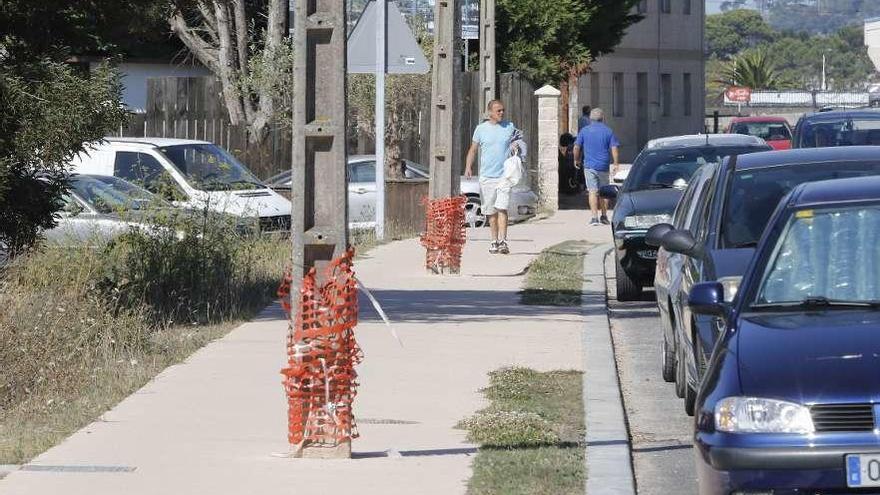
pixel 494 195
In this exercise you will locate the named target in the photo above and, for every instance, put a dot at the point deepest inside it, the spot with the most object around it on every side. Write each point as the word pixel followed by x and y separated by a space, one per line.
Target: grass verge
pixel 556 276
pixel 530 436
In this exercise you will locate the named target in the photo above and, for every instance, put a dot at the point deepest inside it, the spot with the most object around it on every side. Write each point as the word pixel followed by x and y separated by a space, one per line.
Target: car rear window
pixel 754 194
pixel 768 131
pixel 656 169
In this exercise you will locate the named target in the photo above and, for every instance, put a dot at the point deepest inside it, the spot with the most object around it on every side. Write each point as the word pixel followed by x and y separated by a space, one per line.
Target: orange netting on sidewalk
pixel 319 379
pixel 445 234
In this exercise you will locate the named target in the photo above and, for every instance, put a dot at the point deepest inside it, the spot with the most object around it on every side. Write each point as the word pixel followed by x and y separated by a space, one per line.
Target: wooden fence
pixel 192 108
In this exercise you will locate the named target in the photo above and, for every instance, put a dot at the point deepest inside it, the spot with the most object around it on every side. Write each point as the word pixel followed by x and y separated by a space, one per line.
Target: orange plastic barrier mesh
pixel 445 233
pixel 319 379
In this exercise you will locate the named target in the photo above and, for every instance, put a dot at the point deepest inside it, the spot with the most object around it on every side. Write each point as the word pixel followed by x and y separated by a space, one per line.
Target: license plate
pixel 648 254
pixel 862 470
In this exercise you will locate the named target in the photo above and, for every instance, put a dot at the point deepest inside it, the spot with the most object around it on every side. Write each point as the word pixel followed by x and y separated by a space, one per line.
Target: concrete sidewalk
pixel 211 424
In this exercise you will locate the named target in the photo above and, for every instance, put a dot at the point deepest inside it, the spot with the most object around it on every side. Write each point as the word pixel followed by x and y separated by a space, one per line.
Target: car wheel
pixel 680 374
pixel 627 288
pixel 667 357
pixel 473 212
pixel 690 400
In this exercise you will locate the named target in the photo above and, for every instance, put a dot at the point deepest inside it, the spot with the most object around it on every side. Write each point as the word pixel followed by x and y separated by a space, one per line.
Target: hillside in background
pixel 811 16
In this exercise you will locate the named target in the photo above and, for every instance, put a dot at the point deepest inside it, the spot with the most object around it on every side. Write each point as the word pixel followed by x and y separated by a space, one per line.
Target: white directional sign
pixel 403 53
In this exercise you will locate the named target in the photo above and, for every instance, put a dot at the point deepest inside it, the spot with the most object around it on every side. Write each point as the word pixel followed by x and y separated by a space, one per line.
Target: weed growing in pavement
pixel 555 278
pixel 509 429
pixel 531 435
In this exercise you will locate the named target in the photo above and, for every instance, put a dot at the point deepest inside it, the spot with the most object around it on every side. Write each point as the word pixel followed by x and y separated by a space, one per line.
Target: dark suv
pixel 651 191
pixel 729 216
pixel 853 127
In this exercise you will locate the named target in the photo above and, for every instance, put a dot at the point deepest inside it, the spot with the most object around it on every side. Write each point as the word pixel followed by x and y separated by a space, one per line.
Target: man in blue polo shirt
pixel 599 145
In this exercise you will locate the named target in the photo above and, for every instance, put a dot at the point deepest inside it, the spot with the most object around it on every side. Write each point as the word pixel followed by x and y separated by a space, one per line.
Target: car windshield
pixel 843 132
pixel 211 168
pixel 768 131
pixel 111 195
pixel 825 257
pixel 658 169
pixel 754 194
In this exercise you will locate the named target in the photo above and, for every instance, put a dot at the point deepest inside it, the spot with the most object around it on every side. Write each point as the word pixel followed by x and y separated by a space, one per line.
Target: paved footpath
pixel 211 424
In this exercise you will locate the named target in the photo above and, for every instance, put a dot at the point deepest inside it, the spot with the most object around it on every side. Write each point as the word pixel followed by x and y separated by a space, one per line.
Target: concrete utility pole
pixel 320 200
pixel 445 97
pixel 320 209
pixel 487 53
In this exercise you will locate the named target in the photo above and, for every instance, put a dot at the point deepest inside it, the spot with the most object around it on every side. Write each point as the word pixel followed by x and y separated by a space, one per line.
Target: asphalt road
pixel 660 430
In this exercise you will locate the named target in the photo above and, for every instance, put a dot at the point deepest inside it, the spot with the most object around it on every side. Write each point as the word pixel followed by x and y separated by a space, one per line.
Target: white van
pixel 193 174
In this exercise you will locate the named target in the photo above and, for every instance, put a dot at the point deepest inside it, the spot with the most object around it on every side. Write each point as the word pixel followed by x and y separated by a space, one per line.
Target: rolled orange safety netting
pixel 445 233
pixel 319 379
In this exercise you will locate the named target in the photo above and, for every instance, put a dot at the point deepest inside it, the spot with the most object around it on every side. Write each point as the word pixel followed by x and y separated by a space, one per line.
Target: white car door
pixel 362 191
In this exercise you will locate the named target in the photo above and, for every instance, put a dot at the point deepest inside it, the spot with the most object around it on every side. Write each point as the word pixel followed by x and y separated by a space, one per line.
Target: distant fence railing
pixel 801 99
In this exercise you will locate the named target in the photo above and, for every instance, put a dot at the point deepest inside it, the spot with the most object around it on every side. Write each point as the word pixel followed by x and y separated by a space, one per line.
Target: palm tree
pixel 754 69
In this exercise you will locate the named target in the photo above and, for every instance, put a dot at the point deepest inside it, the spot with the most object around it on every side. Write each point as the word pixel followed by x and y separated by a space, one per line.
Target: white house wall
pixel 134 79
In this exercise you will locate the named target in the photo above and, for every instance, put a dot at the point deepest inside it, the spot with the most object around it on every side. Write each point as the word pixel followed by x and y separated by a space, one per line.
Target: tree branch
pixel 226 65
pixel 241 41
pixel 204 52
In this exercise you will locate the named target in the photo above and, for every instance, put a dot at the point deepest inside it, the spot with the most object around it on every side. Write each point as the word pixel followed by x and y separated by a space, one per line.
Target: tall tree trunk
pixel 220 41
pixel 227 65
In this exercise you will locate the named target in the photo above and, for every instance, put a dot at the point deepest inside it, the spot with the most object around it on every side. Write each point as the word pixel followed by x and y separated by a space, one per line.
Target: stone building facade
pixel 653 84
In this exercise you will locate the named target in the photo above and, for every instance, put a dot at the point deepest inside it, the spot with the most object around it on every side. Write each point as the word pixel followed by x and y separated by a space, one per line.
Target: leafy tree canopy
pixel 819 16
pixel 546 40
pixel 732 32
pixel 47 107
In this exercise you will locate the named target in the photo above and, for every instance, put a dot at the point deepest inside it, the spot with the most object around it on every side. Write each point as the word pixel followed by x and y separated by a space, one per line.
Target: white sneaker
pixel 493 248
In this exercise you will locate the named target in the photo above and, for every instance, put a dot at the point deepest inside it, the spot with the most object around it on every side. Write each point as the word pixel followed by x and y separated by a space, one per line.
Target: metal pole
pixel 381 28
pixel 487 53
pixel 445 165
pixel 319 229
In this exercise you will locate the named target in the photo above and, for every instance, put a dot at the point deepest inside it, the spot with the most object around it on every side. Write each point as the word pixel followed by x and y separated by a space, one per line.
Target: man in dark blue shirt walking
pixel 600 146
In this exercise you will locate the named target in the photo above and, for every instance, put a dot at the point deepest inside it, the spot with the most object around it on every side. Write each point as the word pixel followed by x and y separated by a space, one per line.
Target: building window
pixel 642 7
pixel 666 95
pixel 617 95
pixel 666 6
pixel 686 92
pixel 687 7
pixel 594 89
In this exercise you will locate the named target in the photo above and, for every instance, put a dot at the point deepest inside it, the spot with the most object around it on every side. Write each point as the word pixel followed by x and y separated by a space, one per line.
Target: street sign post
pixel 381 43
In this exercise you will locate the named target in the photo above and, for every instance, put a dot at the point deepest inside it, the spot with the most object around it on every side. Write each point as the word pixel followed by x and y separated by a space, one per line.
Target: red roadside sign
pixel 738 94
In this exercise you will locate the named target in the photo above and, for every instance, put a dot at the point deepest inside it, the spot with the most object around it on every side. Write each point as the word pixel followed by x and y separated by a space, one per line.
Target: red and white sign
pixel 738 94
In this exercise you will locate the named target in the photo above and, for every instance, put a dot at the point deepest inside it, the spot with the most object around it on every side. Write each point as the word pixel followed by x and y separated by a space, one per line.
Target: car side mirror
pixel 707 298
pixel 608 192
pixel 680 241
pixel 654 236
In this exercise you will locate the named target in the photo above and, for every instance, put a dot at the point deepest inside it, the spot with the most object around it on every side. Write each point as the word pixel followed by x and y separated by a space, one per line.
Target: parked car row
pixel 362 193
pixel 767 280
pixel 197 175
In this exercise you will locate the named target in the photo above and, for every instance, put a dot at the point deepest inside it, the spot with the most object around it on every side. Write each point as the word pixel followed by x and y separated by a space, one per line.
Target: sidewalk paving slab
pixel 213 423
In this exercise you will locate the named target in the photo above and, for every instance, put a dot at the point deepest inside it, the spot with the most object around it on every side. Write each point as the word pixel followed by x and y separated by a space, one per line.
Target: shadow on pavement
pixel 429 306
pixel 414 453
pixel 577 201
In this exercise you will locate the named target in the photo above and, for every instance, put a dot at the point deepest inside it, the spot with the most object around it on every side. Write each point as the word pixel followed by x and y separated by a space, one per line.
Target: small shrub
pixel 509 429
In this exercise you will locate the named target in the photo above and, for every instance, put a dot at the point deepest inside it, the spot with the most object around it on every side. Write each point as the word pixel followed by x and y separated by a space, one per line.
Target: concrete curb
pixel 608 458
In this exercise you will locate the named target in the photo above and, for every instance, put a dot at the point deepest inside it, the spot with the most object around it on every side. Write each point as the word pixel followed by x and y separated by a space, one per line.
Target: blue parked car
pixel 790 403
pixel 728 215
pixel 854 127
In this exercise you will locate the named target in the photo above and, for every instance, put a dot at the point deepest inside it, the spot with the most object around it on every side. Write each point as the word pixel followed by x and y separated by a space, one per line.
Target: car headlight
pixel 731 287
pixel 755 415
pixel 645 221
